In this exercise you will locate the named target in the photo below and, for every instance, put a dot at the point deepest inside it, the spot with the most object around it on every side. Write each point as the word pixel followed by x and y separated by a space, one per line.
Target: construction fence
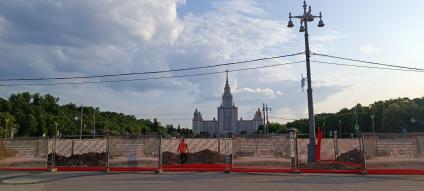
pixel 282 151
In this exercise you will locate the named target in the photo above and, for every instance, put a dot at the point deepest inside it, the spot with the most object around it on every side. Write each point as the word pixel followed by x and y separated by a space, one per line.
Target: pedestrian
pixel 183 150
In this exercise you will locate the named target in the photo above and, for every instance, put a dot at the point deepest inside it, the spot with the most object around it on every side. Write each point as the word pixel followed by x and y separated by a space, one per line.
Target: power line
pixel 282 118
pixel 370 67
pixel 369 62
pixel 151 72
pixel 150 78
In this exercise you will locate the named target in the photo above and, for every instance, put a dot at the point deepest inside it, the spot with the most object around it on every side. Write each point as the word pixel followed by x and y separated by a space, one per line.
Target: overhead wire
pixel 148 78
pixel 151 72
pixel 368 62
pixel 369 67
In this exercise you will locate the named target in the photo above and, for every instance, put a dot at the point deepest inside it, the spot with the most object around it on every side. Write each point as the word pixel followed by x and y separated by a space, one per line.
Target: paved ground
pixel 64 181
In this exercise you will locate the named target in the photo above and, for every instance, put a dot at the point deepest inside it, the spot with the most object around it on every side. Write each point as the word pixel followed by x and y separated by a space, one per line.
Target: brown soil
pixel 353 156
pixel 86 159
pixel 205 156
pixel 328 165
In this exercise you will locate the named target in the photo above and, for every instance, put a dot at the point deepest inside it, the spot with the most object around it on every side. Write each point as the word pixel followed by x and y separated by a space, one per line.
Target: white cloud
pixel 80 37
pixel 267 93
pixel 369 49
pixel 248 7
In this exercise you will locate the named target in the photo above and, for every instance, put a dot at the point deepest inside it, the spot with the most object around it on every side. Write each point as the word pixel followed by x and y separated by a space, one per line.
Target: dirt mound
pixel 86 159
pixel 329 165
pixel 205 156
pixel 353 156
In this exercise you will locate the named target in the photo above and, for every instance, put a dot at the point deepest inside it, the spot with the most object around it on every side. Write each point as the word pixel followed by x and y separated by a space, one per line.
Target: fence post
pixel 226 156
pixel 418 144
pixel 159 170
pixel 47 153
pixel 53 156
pixel 294 159
pixel 362 150
pixel 336 146
pixel 72 147
pixel 107 152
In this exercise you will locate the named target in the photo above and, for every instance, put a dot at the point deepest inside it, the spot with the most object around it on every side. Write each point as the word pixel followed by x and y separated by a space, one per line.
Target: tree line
pixel 34 115
pixel 29 115
pixel 390 116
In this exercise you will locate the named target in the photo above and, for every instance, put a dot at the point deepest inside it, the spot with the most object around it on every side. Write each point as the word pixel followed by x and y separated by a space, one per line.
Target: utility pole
pixel 94 123
pixel 265 110
pixel 323 128
pixel 304 19
pixel 7 122
pixel 81 122
pixel 264 119
pixel 267 121
pixel 373 124
pixel 57 130
pixel 356 121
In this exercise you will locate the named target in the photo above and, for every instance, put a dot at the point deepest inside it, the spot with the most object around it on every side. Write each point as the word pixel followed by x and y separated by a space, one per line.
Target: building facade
pixel 228 122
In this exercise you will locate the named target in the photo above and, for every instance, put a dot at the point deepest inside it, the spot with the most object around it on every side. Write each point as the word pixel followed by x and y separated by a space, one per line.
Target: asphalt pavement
pixel 208 181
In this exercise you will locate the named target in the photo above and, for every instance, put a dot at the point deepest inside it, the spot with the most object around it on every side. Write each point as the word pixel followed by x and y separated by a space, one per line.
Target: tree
pixel 7 122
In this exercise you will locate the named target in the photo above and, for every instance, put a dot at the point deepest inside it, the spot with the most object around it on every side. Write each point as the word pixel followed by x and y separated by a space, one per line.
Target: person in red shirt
pixel 183 150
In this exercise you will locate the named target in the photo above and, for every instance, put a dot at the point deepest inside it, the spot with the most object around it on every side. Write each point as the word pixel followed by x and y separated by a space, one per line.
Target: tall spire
pixel 226 81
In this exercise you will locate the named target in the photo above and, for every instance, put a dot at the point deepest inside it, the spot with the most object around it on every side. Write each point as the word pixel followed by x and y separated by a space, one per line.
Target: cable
pixel 150 78
pixel 368 62
pixel 151 72
pixel 282 118
pixel 372 67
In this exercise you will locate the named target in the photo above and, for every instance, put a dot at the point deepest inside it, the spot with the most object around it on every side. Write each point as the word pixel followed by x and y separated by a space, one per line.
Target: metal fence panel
pixel 139 151
pixel 23 152
pixel 261 151
pixel 77 152
pixel 202 151
pixel 394 151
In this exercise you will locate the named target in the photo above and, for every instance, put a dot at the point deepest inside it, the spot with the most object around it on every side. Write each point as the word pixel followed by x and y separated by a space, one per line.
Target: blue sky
pixel 52 38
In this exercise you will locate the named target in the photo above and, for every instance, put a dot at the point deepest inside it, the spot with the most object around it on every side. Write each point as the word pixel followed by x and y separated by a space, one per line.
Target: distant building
pixel 227 122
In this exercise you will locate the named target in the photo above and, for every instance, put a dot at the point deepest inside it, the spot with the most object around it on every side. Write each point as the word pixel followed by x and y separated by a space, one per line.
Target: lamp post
pixel 56 124
pixel 304 19
pixel 356 122
pixel 7 122
pixel 81 122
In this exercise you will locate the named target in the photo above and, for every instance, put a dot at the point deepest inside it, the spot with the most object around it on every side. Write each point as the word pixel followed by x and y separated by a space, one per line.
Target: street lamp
pixel 304 19
pixel 56 124
pixel 7 121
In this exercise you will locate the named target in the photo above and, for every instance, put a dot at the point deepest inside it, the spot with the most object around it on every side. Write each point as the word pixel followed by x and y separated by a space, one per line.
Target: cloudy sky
pixel 61 38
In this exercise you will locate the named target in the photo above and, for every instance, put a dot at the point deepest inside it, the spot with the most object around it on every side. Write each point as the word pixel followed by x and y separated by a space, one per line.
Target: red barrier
pixel 330 171
pixel 29 169
pixel 395 171
pixel 269 170
pixel 131 169
pixel 80 168
pixel 341 162
pixel 195 168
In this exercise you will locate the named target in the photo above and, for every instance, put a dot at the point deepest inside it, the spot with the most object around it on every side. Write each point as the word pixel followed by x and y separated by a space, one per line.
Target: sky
pixel 62 38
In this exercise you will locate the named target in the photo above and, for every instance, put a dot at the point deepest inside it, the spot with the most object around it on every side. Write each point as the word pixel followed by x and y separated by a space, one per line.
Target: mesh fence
pixel 77 152
pixel 28 152
pixel 139 151
pixel 262 151
pixel 201 151
pixel 394 151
